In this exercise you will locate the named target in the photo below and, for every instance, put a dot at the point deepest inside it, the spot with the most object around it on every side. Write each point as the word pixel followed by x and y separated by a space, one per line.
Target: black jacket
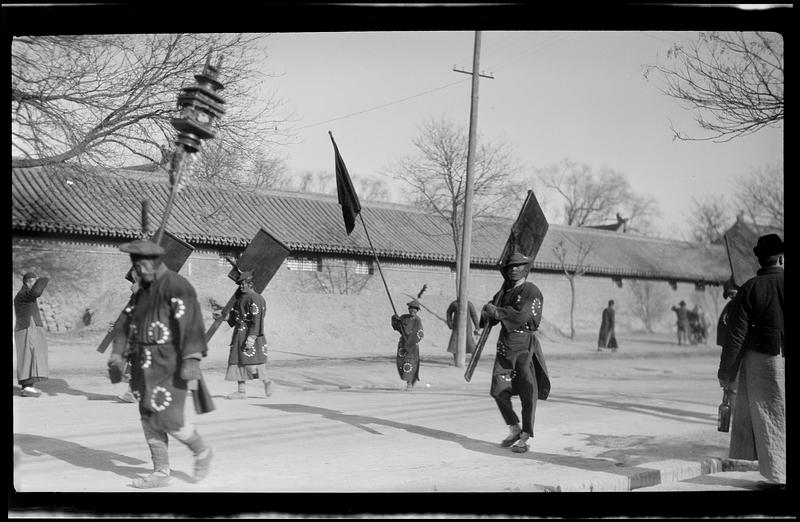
pixel 755 320
pixel 26 306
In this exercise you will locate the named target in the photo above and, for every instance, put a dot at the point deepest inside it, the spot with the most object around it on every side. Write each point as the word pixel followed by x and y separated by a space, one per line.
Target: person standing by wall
pixel 411 333
pixel 451 317
pixel 247 359
pixel 607 337
pixel 166 341
pixel 683 322
pixel 32 364
pixel 519 367
pixel 755 352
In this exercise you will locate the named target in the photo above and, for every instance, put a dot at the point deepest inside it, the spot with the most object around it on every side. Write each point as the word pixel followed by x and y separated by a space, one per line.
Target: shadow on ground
pixel 53 387
pixel 368 424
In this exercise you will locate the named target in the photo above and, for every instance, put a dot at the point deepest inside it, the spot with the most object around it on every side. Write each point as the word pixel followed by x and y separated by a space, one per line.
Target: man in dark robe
pixel 607 337
pixel 683 322
pixel 165 342
pixel 753 356
pixel 411 333
pixel 519 366
pixel 469 331
pixel 32 364
pixel 248 350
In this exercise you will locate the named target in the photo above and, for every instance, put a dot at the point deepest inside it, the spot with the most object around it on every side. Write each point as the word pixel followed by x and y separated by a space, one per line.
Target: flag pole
pixel 377 262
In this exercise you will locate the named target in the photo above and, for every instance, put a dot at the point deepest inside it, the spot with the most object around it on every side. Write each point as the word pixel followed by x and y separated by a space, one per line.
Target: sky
pixel 580 95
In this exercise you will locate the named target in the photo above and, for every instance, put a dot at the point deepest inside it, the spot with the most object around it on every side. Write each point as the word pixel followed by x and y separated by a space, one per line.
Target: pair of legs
pixel 158 442
pixel 242 374
pixel 683 335
pixel 515 366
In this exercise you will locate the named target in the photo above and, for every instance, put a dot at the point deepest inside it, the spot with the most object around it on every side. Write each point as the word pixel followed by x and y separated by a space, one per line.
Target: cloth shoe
pixel 513 435
pixel 409 387
pixel 202 464
pixel 30 391
pixel 157 479
pixel 521 446
pixel 236 395
pixel 267 388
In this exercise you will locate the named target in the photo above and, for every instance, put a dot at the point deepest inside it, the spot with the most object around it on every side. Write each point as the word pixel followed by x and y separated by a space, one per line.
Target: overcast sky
pixel 577 95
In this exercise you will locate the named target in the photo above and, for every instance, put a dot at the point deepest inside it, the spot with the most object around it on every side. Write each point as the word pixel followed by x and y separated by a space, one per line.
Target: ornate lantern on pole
pixel 200 106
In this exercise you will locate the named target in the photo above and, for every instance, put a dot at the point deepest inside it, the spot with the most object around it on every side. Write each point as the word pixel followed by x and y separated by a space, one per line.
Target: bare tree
pixel 437 177
pixel 709 219
pixel 341 278
pixel 594 198
pixel 760 196
pixel 732 81
pixel 650 299
pixel 572 271
pixel 107 99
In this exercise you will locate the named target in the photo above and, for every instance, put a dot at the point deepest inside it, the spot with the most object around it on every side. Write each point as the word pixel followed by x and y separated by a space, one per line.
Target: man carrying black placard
pixel 519 367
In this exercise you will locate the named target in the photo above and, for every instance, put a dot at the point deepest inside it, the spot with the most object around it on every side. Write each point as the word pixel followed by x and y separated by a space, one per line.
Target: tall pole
pixel 462 327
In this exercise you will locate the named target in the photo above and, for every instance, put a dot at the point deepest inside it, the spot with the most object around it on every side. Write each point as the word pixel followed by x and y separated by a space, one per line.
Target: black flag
pixel 348 198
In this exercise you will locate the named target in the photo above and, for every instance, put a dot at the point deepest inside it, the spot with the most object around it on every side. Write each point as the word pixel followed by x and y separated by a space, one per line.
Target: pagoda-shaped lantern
pixel 200 106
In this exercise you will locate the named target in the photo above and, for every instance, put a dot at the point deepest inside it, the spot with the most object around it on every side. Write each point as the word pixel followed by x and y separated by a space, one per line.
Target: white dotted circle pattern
pixel 407 367
pixel 536 306
pixel 160 399
pixel 178 307
pixel 147 360
pixel 163 332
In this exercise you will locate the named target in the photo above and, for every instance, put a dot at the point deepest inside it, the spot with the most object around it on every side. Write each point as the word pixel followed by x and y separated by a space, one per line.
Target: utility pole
pixel 462 317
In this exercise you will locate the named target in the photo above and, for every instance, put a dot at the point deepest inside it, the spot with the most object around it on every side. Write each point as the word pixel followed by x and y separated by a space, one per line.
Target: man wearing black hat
pixel 683 322
pixel 166 340
pixel 29 336
pixel 519 366
pixel 411 333
pixel 755 352
pixel 248 353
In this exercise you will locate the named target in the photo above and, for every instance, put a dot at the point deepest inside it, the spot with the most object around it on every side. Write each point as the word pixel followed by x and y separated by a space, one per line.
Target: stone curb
pixel 655 473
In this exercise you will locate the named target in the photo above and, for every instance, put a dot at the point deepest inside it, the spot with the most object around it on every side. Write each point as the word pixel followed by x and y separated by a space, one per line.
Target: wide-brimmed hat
pixel 413 304
pixel 768 245
pixel 143 247
pixel 244 275
pixel 517 259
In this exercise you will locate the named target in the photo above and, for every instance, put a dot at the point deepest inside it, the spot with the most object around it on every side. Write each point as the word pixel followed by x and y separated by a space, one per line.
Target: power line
pixel 384 105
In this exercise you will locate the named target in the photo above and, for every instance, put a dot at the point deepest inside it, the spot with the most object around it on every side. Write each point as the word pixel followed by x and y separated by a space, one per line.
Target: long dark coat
pixel 164 325
pixel 607 337
pixel 247 319
pixel 520 308
pixel 452 317
pixel 407 359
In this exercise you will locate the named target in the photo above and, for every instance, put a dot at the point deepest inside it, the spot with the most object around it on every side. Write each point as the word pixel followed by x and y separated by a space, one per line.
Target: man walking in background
pixel 755 351
pixel 469 331
pixel 607 338
pixel 247 359
pixel 683 322
pixel 29 335
pixel 411 333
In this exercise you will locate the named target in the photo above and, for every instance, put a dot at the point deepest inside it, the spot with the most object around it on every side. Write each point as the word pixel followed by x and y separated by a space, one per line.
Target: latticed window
pixel 363 267
pixel 304 264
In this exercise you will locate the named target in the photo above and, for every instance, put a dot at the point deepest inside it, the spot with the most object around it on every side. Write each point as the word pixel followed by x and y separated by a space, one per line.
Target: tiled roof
pixel 67 201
